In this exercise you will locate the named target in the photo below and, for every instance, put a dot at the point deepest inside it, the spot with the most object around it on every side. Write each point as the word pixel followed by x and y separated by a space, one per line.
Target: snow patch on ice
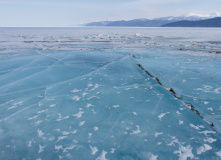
pixel 175 140
pixel 95 128
pixel 94 150
pixel 195 127
pixel 90 85
pixel 89 105
pixel 102 156
pixel 61 138
pixel 218 154
pixel 12 107
pixel 60 117
pixel 40 104
pixel 58 147
pixel 116 106
pixel 38 122
pixel 92 97
pixel 162 115
pixel 137 131
pixel 178 113
pixel 40 134
pixel 96 86
pixel 184 152
pixel 205 89
pixel 84 94
pixel 159 143
pixel 76 98
pixel 16 104
pixel 42 111
pixel 207 132
pixel 41 148
pixel 206 102
pixel 52 105
pixel 157 134
pixel 204 148
pixel 152 157
pixel 65 133
pixel 217 90
pixel 79 114
pixel 82 123
pixel 30 143
pixel 180 122
pixel 90 134
pixel 69 148
pixel 210 140
pixel 210 109
pixel 34 117
pixel 112 150
pixel 75 131
pixel 75 91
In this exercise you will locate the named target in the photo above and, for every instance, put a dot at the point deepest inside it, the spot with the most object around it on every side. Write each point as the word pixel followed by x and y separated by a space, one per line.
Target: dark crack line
pixel 204 51
pixel 189 105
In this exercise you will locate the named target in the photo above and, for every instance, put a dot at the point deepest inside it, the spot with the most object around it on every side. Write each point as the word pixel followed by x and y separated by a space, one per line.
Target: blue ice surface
pixel 73 96
pixel 196 79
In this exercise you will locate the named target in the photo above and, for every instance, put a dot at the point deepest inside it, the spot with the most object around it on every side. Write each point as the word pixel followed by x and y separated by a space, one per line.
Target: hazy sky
pixel 74 12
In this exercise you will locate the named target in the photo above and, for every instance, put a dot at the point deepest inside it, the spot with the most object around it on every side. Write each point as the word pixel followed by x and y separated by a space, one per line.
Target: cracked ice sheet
pixel 50 128
pixel 39 123
pixel 195 77
pixel 36 70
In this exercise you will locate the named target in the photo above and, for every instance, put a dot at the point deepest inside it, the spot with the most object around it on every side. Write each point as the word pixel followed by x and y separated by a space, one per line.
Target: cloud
pixel 216 14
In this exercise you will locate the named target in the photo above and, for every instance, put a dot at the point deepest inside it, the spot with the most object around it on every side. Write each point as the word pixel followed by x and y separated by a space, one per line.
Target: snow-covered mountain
pixel 143 22
pixel 212 22
pixel 180 18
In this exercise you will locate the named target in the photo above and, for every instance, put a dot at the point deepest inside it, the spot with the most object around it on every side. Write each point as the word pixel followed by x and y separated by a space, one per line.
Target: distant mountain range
pixel 213 22
pixel 193 21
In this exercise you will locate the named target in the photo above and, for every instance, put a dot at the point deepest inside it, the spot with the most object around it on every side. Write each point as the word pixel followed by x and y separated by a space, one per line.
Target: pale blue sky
pixel 74 12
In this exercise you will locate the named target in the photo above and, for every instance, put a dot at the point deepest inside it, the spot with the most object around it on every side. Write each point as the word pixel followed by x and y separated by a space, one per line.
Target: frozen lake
pixel 110 93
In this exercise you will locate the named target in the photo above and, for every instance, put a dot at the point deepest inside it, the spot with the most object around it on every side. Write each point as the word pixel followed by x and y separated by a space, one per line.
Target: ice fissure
pixel 189 105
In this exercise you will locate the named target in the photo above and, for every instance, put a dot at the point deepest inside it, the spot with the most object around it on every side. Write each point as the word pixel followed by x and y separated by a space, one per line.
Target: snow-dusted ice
pixel 110 93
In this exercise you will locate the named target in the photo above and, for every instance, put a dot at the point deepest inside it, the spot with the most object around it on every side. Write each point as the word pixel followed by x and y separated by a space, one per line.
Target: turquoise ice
pixel 79 94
